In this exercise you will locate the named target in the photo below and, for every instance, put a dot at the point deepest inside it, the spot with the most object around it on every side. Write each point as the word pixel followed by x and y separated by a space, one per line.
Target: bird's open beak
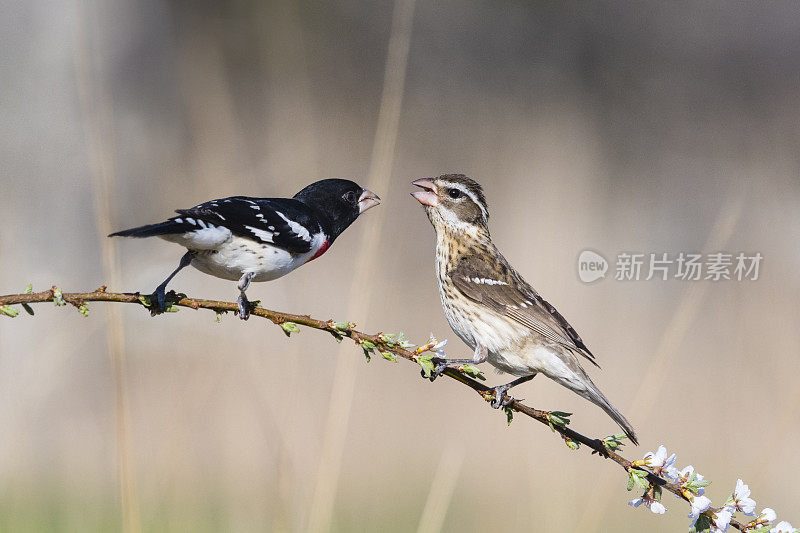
pixel 367 200
pixel 427 196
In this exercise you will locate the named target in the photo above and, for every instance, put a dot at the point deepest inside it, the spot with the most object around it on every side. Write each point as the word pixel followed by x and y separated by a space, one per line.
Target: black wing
pixel 508 294
pixel 283 222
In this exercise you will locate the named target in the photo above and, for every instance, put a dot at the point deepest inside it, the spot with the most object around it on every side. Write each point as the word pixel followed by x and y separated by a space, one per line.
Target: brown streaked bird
pixel 492 308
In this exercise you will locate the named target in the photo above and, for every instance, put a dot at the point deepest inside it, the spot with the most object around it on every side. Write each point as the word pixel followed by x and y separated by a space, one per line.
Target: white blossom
pixel 767 515
pixel 658 508
pixel 437 348
pixel 654 506
pixel 662 465
pixel 700 504
pixel 721 520
pixel 742 500
pixel 782 527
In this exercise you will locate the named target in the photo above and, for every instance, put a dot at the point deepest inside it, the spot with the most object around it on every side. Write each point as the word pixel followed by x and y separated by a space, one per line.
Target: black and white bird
pixel 258 239
pixel 492 308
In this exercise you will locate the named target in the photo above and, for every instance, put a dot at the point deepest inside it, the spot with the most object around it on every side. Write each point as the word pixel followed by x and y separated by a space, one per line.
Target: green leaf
pixel 389 356
pixel 509 414
pixel 83 309
pixel 427 366
pixel 367 346
pixel 694 485
pixel 614 442
pixel 473 371
pixel 29 289
pixel 558 418
pixel 388 338
pixel 637 478
pixel 703 523
pixel 8 311
pixel 289 328
pixel 571 444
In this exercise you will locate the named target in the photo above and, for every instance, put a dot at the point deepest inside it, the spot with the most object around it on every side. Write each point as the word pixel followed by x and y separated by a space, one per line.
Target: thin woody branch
pixel 339 330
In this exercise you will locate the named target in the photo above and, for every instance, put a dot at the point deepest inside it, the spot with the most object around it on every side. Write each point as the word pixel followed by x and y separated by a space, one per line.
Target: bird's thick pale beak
pixel 428 195
pixel 367 200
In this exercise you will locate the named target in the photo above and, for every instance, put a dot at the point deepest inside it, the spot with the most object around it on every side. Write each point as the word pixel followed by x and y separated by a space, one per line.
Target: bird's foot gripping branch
pixel 650 476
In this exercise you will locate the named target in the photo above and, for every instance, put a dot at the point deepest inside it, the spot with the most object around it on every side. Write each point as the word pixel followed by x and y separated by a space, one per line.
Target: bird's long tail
pixel 593 394
pixel 169 227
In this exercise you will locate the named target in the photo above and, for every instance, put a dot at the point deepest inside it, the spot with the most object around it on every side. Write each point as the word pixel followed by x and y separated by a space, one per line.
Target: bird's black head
pixel 337 202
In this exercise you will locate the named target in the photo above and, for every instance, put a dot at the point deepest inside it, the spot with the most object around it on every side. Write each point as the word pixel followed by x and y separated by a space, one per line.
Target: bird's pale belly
pixel 489 329
pixel 239 256
pixel 511 349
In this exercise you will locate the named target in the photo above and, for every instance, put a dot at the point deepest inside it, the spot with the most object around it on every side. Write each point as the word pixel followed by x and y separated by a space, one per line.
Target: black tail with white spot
pixel 170 227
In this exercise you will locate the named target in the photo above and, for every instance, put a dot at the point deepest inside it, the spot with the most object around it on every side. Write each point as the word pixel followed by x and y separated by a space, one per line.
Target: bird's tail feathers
pixel 154 230
pixel 593 394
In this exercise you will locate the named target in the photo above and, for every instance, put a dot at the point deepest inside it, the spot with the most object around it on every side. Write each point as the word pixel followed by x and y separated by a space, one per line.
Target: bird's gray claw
pixel 439 366
pixel 244 307
pixel 501 399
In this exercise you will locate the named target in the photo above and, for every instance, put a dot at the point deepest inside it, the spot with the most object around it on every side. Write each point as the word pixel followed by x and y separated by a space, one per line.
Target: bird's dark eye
pixel 454 193
pixel 350 197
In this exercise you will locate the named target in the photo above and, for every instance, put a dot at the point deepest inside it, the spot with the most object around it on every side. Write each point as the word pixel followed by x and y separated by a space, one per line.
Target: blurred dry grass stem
pixel 344 376
pixel 96 112
pixel 660 362
pixel 442 488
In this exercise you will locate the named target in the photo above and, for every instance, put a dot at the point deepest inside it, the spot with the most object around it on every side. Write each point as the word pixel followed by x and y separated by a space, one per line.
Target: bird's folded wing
pixel 282 222
pixel 511 296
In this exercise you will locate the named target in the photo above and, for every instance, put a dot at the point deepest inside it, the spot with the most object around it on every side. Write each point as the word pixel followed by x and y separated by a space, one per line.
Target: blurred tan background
pixel 655 127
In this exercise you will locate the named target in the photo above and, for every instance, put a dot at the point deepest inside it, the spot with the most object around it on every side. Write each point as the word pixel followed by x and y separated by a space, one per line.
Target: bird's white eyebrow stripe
pixel 469 193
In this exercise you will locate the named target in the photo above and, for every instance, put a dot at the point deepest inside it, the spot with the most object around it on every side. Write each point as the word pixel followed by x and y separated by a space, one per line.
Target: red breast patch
pixel 322 250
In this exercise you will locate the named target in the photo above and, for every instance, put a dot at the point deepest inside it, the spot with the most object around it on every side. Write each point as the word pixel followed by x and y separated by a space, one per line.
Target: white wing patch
pixel 298 229
pixel 485 281
pixel 265 236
